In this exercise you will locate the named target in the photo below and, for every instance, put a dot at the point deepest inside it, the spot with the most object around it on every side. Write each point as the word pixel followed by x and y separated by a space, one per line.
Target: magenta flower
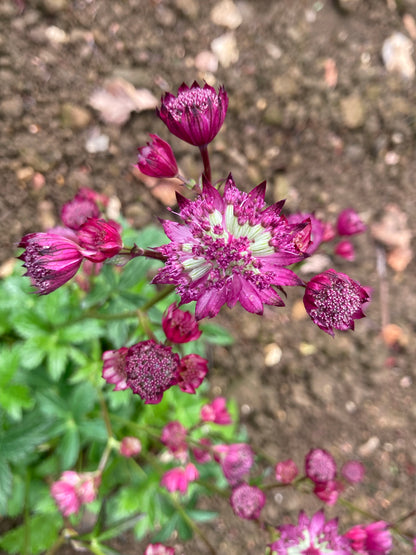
pixel 247 501
pixel 286 471
pixel 231 248
pixel 180 326
pixel 374 539
pixel 328 492
pixel 130 446
pixel 196 114
pixel 202 454
pixel 320 466
pixel 114 368
pixel 73 490
pixel 353 471
pixel 51 259
pixel 333 300
pixel 174 437
pixel 345 249
pixel 318 229
pixel 99 239
pixel 178 479
pixel 312 536
pixel 159 549
pixel 237 462
pixel 192 371
pixel 77 211
pixel 157 159
pixel 350 223
pixel 216 412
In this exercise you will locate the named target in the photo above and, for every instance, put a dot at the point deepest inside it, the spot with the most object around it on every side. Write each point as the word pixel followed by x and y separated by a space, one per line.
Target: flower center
pixel 198 100
pixel 336 305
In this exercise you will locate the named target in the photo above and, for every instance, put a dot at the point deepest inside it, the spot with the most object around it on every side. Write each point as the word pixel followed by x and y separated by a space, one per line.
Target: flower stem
pixel 205 158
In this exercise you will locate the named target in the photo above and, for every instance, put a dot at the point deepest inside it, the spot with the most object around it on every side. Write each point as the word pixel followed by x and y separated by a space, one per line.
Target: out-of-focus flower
pixel 196 114
pixel 180 326
pixel 247 501
pixel 232 248
pixel 346 250
pixel 157 159
pixel 237 462
pixel 328 492
pixel 50 259
pixel 178 479
pixel 99 198
pixel 130 446
pixel 159 549
pixel 374 539
pixel 216 412
pixel 333 300
pixel 202 454
pixel 315 536
pixel 353 471
pixel 320 466
pixel 192 371
pixel 350 223
pixel 73 490
pixel 174 437
pixel 317 229
pixel 99 239
pixel 114 368
pixel 77 211
pixel 286 471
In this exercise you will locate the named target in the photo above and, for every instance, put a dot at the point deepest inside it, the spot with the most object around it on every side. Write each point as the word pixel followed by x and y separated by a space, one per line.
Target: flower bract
pixel 157 159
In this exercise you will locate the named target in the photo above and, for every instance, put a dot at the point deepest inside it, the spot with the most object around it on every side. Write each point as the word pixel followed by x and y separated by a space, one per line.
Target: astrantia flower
pixel 73 490
pixel 130 446
pixel 374 539
pixel 237 462
pixel 231 248
pixel 196 114
pixel 350 223
pixel 178 479
pixel 77 211
pixel 202 454
pixel 353 471
pixel 114 368
pixel 286 471
pixel 312 536
pixel 174 437
pixel 192 371
pixel 159 549
pixel 320 466
pixel 247 501
pixel 345 249
pixel 216 412
pixel 180 326
pixel 51 259
pixel 318 229
pixel 99 239
pixel 333 300
pixel 328 492
pixel 157 159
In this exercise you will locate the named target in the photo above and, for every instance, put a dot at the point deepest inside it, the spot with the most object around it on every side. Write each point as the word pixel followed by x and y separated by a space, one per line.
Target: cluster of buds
pixel 75 489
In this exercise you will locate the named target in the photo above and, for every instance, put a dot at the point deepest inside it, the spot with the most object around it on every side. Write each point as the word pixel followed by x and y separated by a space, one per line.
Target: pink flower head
pixel 100 239
pixel 178 479
pixel 114 368
pixel 286 471
pixel 99 198
pixel 196 114
pixel 77 211
pixel 320 466
pixel 350 223
pixel 174 437
pixel 180 326
pixel 237 462
pixel 374 539
pixel 73 490
pixel 345 249
pixel 159 549
pixel 192 371
pixel 151 369
pixel 232 248
pixel 216 412
pixel 314 536
pixel 333 300
pixel 202 454
pixel 50 259
pixel 157 159
pixel 353 471
pixel 247 501
pixel 328 492
pixel 130 446
pixel 317 229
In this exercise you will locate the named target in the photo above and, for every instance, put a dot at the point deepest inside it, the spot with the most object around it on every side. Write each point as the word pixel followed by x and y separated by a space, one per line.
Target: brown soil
pixel 322 148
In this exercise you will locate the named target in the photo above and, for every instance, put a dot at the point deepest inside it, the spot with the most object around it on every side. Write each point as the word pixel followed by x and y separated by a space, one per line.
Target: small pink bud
pixel 130 446
pixel 247 501
pixel 178 479
pixel 353 471
pixel 237 462
pixel 286 471
pixel 192 371
pixel 99 239
pixel 156 159
pixel 174 437
pixel 346 250
pixel 216 412
pixel 159 549
pixel 320 466
pixel 77 211
pixel 180 326
pixel 74 489
pixel 350 223
pixel 202 454
pixel 328 492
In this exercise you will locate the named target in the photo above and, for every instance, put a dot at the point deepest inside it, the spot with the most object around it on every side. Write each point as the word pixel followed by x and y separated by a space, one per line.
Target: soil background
pixel 323 145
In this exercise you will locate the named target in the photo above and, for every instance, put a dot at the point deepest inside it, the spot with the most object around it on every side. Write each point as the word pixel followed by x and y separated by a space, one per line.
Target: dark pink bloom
pixel 50 259
pixel 346 250
pixel 180 326
pixel 159 549
pixel 196 114
pixel 317 229
pixel 353 471
pixel 333 300
pixel 231 248
pixel 73 490
pixel 77 211
pixel 192 371
pixel 314 536
pixel 320 466
pixel 99 239
pixel 350 223
pixel 174 437
pixel 114 368
pixel 157 159
pixel 130 446
pixel 151 369
pixel 237 462
pixel 178 479
pixel 328 492
pixel 99 198
pixel 216 412
pixel 247 501
pixel 374 539
pixel 202 454
pixel 286 471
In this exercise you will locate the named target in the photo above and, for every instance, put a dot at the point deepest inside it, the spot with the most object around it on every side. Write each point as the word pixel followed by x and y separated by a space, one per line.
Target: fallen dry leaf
pixel 331 73
pixel 393 232
pixel 394 336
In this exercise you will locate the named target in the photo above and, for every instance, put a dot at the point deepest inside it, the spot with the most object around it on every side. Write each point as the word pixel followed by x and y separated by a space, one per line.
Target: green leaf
pixel 37 535
pixel 69 445
pixel 23 438
pixel 93 430
pixel 17 497
pixel 80 332
pixel 9 363
pixel 216 334
pixel 14 398
pixel 117 528
pixel 30 324
pixel 133 272
pixel 81 400
pixel 200 515
pixel 33 351
pixel 6 480
pixel 57 358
